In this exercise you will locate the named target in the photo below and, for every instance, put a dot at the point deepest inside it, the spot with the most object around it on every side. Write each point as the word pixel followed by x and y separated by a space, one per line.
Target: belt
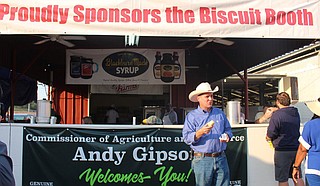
pixel 200 154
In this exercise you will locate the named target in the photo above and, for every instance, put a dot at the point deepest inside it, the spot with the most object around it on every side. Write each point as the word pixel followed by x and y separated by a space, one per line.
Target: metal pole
pixel 222 94
pixel 246 96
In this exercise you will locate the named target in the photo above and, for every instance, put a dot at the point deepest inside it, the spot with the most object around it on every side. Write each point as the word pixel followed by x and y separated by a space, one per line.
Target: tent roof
pixel 20 52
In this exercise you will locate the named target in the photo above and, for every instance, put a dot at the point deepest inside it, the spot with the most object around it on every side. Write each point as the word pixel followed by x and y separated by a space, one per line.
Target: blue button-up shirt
pixel 208 143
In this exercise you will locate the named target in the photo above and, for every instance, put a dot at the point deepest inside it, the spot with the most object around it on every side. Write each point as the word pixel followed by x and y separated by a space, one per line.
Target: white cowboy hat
pixel 314 106
pixel 201 88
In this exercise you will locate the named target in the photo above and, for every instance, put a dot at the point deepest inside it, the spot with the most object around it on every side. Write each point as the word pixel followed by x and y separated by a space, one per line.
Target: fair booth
pixel 126 155
pixel 59 155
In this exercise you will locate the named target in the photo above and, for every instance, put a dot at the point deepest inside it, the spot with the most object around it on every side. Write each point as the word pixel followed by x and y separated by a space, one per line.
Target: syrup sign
pixel 125 64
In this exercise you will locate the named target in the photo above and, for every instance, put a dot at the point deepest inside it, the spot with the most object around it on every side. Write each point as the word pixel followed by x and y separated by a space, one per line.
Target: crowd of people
pixel 169 117
pixel 207 130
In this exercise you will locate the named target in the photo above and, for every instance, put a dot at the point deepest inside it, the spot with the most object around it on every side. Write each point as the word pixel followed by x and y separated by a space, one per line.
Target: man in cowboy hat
pixel 309 146
pixel 207 131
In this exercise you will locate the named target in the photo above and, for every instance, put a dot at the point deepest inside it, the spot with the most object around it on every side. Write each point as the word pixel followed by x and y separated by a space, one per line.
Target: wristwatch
pixel 295 167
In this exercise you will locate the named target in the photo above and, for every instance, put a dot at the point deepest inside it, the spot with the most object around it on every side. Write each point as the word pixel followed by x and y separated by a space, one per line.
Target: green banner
pixel 95 157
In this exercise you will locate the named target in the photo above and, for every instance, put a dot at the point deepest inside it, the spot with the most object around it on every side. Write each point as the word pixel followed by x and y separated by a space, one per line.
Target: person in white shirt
pixel 112 115
pixel 170 116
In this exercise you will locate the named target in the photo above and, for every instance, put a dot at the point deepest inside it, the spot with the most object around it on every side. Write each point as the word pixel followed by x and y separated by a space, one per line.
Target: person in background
pixel 242 116
pixel 265 115
pixel 6 172
pixel 207 130
pixel 112 115
pixel 310 147
pixel 284 131
pixel 170 116
pixel 87 120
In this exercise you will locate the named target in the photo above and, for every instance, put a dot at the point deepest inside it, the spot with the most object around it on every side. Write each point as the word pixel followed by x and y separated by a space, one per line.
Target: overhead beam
pixel 244 79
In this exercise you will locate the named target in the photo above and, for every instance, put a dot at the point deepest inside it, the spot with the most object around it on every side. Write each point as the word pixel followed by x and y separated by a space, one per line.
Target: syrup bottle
pixel 177 66
pixel 86 68
pixel 75 66
pixel 157 66
pixel 167 68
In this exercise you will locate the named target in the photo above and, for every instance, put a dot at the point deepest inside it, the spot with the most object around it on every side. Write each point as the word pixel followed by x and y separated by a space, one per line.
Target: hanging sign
pixel 204 18
pixel 96 157
pixel 125 66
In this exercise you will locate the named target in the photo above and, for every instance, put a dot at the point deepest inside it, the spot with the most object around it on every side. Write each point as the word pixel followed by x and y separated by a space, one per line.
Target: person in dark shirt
pixel 6 175
pixel 284 132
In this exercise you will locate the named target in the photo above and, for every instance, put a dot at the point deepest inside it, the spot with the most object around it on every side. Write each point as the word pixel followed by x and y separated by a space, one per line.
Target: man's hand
pixel 269 112
pixel 268 139
pixel 295 175
pixel 203 130
pixel 225 138
pixel 206 129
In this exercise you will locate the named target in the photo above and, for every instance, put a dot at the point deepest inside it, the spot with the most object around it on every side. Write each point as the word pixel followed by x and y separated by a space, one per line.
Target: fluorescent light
pixel 131 40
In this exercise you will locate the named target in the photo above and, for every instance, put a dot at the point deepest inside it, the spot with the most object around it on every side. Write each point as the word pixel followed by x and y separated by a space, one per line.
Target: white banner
pixel 127 89
pixel 205 18
pixel 125 66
